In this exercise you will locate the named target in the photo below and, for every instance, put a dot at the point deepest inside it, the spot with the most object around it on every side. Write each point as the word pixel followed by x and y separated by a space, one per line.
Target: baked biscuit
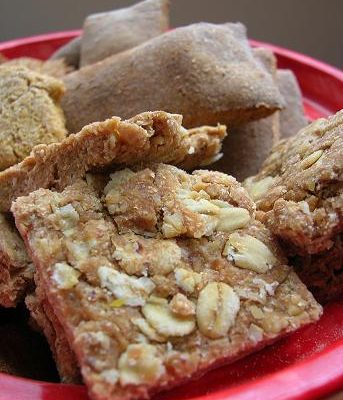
pixel 300 187
pixel 70 52
pixel 292 117
pixel 162 277
pixel 29 113
pixel 16 269
pixel 151 136
pixel 204 71
pixel 55 68
pixel 111 32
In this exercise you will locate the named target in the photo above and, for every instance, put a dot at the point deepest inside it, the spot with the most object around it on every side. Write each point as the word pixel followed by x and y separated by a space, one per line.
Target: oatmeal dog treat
pixel 300 187
pixel 55 68
pixel 44 316
pixel 292 117
pixel 322 273
pixel 29 113
pixel 70 52
pixel 109 33
pixel 248 145
pixel 162 277
pixel 204 71
pixel 16 269
pixel 147 137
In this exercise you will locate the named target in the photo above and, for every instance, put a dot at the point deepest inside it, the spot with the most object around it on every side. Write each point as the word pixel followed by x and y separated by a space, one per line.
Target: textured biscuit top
pixel 160 277
pixel 151 136
pixel 29 113
pixel 204 71
pixel 300 186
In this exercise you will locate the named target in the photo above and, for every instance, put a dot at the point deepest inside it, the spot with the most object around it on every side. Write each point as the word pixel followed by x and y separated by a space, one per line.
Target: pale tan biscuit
pixel 29 113
pixel 70 52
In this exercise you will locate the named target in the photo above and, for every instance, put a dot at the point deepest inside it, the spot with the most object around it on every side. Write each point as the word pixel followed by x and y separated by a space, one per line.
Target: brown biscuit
pixel 248 145
pixel 147 137
pixel 70 52
pixel 204 71
pixel 111 32
pixel 55 68
pixel 292 117
pixel 322 273
pixel 29 113
pixel 300 187
pixel 160 278
pixel 16 269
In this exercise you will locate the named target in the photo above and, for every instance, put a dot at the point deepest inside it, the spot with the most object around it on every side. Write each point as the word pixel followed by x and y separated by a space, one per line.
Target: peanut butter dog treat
pixel 29 113
pixel 70 52
pixel 292 117
pixel 248 145
pixel 55 68
pixel 16 269
pixel 300 187
pixel 322 273
pixel 205 72
pixel 160 278
pixel 109 33
pixel 147 137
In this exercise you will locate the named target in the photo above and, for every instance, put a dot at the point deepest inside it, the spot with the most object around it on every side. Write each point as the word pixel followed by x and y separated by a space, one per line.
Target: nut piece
pixel 180 305
pixel 259 188
pixel 233 218
pixel 158 313
pixel 172 225
pixel 67 217
pixel 186 279
pixel 139 365
pixel 132 291
pixel 245 251
pixel 217 309
pixel 65 276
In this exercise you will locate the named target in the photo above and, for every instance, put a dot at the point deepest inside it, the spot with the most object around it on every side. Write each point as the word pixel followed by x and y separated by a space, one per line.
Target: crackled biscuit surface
pixel 151 136
pixel 29 113
pixel 160 276
pixel 299 189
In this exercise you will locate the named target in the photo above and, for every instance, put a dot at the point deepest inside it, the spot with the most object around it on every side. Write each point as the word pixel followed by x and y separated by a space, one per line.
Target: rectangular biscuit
pixel 159 278
pixel 16 269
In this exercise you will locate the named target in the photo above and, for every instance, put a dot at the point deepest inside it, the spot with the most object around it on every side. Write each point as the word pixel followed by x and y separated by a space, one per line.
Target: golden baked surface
pixel 160 276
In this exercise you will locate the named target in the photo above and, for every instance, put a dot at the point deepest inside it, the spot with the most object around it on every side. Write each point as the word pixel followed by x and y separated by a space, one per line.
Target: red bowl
pixel 305 365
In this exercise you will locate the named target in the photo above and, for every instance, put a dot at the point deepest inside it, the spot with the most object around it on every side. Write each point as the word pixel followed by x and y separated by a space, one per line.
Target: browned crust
pixel 205 72
pixel 151 136
pixel 99 329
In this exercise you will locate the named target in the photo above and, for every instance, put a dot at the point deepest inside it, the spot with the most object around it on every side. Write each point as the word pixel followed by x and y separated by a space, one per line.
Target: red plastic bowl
pixel 305 365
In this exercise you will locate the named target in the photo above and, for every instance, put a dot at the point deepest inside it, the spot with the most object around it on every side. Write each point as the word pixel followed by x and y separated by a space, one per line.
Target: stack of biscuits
pixel 165 207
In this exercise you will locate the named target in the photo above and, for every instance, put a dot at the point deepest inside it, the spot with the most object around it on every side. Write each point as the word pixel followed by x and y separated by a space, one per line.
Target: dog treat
pixel 248 145
pixel 292 117
pixel 204 71
pixel 109 33
pixel 70 52
pixel 55 68
pixel 44 316
pixel 162 277
pixel 29 113
pixel 322 273
pixel 147 137
pixel 300 187
pixel 16 269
